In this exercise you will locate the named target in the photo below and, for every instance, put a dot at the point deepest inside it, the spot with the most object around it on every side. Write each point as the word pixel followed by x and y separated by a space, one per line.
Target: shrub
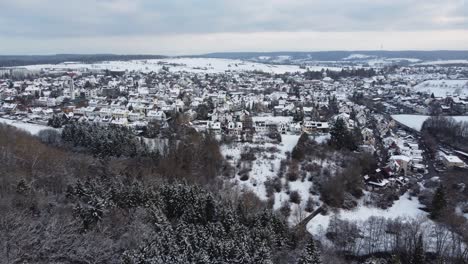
pixel 292 176
pixel 309 207
pixel 295 197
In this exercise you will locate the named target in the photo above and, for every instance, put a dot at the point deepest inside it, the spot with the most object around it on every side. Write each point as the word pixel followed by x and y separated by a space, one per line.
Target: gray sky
pixel 200 26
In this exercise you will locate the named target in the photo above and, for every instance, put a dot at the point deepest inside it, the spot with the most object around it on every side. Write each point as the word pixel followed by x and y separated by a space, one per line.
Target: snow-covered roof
pixel 400 157
pixel 452 159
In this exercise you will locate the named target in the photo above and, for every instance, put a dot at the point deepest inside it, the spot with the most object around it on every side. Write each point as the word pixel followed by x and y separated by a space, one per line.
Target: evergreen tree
pixel 438 203
pixel 341 137
pixel 298 151
pixel 311 255
pixel 418 254
pixel 263 255
pixel 333 106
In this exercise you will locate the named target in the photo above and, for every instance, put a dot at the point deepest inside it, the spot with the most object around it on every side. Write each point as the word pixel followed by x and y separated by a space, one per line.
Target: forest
pixel 63 200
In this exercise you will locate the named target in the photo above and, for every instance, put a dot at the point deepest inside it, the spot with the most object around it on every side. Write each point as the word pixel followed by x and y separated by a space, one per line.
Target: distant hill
pixel 21 60
pixel 343 55
pixel 281 57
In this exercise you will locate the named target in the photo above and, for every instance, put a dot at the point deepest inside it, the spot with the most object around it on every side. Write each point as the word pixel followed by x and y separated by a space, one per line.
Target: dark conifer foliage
pixel 103 141
pixel 341 137
pixel 439 203
pixel 310 255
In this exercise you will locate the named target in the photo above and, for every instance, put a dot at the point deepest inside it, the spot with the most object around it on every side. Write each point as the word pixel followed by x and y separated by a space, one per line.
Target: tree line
pixel 344 73
pixel 446 129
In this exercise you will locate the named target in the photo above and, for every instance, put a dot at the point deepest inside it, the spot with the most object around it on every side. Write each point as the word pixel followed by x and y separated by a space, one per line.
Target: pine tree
pixel 341 137
pixel 418 255
pixel 310 255
pixel 263 255
pixel 438 203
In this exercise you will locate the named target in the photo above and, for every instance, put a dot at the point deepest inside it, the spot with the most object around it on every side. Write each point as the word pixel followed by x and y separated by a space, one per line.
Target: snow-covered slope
pixel 416 121
pixel 443 88
pixel 33 129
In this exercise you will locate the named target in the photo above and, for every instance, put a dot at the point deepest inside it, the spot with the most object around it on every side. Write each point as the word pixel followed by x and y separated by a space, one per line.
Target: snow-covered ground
pixel 198 65
pixel 405 207
pixel 33 129
pixel 443 88
pixel 442 62
pixel 357 56
pixel 416 121
pixel 265 166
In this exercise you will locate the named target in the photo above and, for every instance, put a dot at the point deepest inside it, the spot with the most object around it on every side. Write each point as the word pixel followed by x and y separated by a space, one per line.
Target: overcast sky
pixel 175 27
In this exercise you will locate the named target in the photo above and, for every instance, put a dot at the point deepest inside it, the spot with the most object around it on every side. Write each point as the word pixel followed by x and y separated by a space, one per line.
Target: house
pixel 214 126
pixel 315 126
pixel 400 163
pixel 135 116
pixel 9 108
pixel 452 161
pixel 368 136
pixel 156 115
pixel 234 128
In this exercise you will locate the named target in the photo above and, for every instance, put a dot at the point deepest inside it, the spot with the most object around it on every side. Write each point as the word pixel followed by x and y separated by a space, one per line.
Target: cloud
pixel 57 21
pixel 186 44
pixel 56 18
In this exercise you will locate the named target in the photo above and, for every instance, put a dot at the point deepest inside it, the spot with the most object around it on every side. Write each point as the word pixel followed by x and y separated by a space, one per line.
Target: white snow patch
pixel 403 207
pixel 357 56
pixel 442 62
pixel 32 129
pixel 196 65
pixel 443 88
pixel 416 121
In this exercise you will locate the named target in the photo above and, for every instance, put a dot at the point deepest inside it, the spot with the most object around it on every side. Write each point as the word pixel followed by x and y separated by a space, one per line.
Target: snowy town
pixel 285 131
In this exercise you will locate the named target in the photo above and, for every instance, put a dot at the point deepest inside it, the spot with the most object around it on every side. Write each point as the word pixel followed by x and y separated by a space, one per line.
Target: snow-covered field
pixel 442 62
pixel 197 65
pixel 443 88
pixel 416 121
pixel 357 56
pixel 33 129
pixel 405 207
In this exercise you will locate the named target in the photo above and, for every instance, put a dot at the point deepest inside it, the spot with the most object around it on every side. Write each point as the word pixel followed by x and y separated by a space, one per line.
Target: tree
pixel 341 138
pixel 153 129
pixel 263 255
pixel 438 203
pixel 310 255
pixel 309 207
pixel 57 121
pixel 202 112
pixel 295 197
pixel 333 107
pixel 418 254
